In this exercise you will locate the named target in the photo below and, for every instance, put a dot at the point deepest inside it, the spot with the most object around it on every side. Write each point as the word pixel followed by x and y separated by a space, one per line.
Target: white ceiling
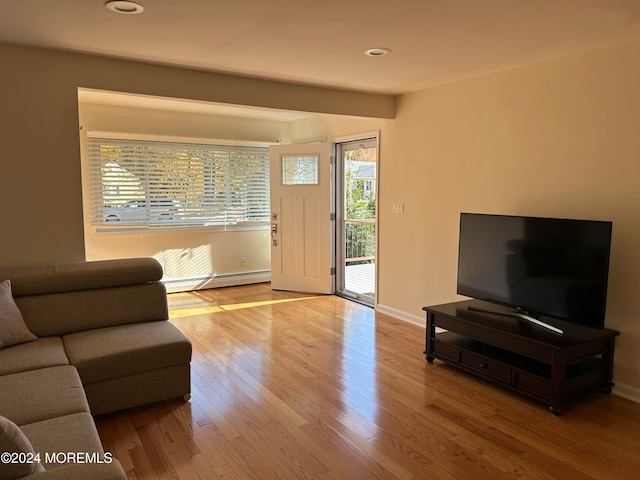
pixel 322 42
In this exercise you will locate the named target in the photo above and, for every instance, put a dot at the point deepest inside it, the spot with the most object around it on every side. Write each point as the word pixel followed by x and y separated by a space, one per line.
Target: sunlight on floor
pixel 189 312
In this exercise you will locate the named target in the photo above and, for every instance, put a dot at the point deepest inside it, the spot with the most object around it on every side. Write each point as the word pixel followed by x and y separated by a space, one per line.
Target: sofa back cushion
pixel 81 276
pixel 64 313
pixel 63 299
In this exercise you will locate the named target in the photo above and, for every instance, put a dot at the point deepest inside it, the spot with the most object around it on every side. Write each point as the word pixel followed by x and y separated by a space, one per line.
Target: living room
pixel 554 138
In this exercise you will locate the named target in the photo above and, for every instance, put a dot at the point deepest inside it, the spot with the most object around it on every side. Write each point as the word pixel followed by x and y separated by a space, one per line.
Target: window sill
pixel 170 229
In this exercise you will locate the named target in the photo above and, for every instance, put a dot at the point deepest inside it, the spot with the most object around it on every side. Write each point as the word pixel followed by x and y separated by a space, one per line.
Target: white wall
pixel 559 138
pixel 555 139
pixel 192 258
pixel 40 146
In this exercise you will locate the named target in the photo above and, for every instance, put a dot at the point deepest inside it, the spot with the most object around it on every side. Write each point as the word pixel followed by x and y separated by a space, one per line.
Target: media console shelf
pixel 552 368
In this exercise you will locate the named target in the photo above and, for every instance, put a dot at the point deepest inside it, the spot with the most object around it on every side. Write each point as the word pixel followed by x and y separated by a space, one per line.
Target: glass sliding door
pixel 356 204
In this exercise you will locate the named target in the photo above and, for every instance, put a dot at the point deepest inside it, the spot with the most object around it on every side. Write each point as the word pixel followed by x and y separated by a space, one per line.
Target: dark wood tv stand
pixel 549 367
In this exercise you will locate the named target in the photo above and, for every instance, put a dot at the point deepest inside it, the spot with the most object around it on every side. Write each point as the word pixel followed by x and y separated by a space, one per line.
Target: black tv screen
pixel 539 266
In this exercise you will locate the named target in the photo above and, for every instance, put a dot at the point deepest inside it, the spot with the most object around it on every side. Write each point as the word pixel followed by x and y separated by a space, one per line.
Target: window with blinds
pixel 162 183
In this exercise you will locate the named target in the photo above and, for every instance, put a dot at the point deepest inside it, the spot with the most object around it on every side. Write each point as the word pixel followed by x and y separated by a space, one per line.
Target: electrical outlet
pixel 398 207
pixel 243 261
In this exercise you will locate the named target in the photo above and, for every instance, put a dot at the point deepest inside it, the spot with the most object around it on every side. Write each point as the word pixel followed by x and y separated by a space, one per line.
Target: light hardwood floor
pixel 293 386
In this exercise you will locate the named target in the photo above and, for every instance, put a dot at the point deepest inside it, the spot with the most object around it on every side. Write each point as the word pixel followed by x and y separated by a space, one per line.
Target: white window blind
pixel 166 183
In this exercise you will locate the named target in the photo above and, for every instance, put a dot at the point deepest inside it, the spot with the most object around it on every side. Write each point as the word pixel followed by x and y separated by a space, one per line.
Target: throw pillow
pixel 12 327
pixel 13 443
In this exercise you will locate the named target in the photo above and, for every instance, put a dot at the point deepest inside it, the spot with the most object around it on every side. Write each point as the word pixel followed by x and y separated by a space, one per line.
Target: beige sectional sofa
pixel 94 339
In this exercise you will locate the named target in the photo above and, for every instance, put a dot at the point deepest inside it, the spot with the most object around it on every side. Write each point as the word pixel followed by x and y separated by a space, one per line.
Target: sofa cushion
pixel 40 280
pixel 79 471
pixel 86 471
pixel 67 434
pixel 43 353
pixel 139 389
pixel 13 440
pixel 37 395
pixel 114 352
pixel 72 434
pixel 12 327
pixel 63 313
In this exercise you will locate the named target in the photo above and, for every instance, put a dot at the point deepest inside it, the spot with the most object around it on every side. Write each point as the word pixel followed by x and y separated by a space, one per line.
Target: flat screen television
pixel 537 267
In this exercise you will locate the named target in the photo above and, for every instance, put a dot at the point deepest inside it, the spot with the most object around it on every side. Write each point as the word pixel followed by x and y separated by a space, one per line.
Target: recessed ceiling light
pixel 377 52
pixel 125 7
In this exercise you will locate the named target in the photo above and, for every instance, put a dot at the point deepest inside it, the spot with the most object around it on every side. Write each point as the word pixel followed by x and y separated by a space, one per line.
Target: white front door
pixel 301 223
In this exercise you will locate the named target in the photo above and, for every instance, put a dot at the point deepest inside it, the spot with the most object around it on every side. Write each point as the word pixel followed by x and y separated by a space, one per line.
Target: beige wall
pixel 555 139
pixel 192 258
pixel 331 126
pixel 200 258
pixel 558 139
pixel 40 184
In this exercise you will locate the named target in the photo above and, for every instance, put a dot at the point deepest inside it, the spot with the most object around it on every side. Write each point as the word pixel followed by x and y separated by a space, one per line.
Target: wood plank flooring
pixel 293 386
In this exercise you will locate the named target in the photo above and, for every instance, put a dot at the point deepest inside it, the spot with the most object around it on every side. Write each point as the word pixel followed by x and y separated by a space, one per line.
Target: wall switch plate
pixel 398 207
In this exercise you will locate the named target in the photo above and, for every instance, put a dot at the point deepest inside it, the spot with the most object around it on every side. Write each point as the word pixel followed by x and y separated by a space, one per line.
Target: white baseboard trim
pixel 175 285
pixel 401 315
pixel 626 391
